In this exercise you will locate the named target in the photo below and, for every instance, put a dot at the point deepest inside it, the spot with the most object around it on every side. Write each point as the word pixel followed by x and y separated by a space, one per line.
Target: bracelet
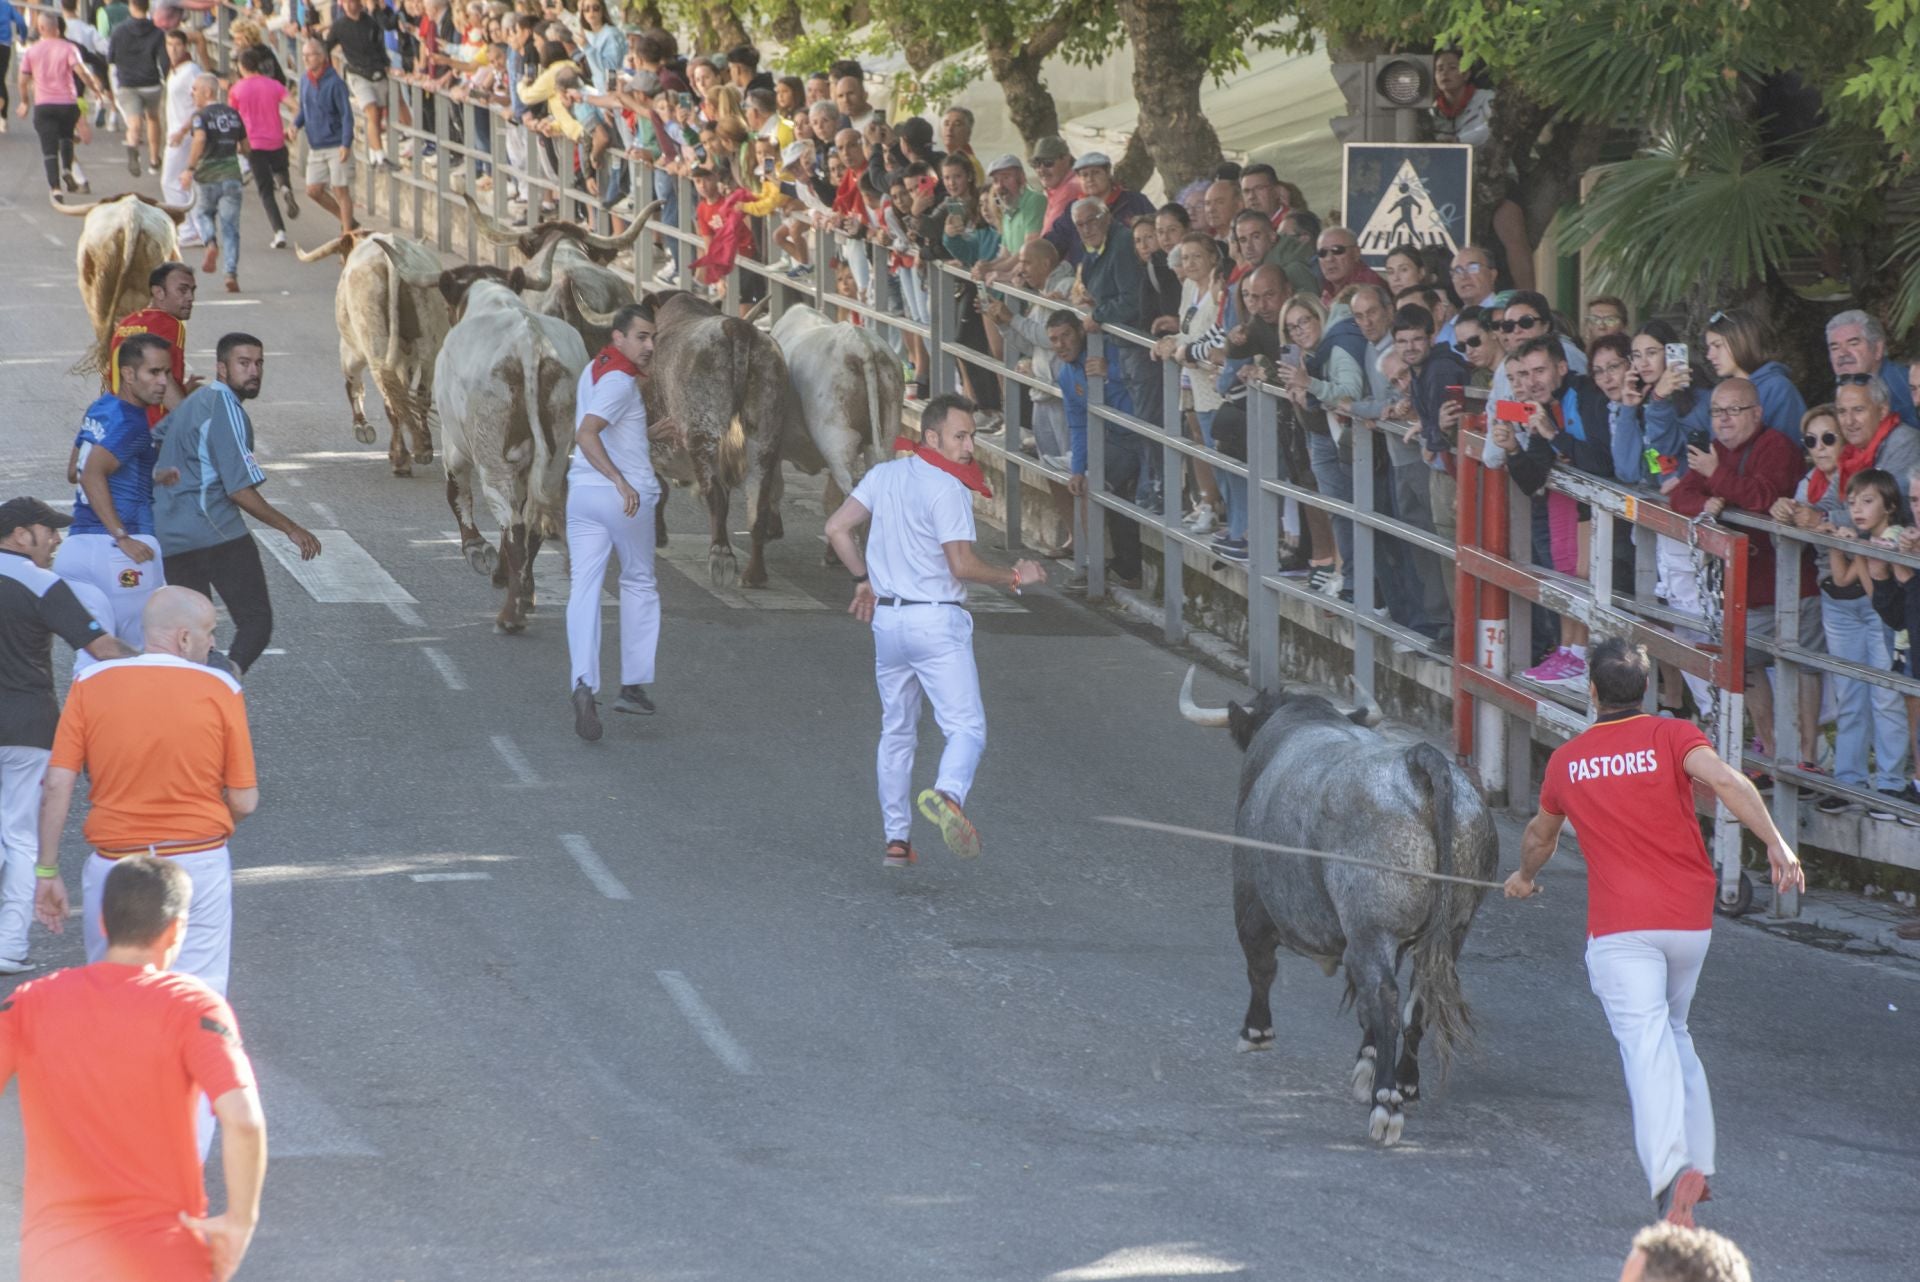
pixel 45 873
pixel 859 578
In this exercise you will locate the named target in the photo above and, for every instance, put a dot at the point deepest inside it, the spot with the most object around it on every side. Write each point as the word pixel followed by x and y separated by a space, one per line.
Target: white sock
pixel 379 157
pixel 1578 651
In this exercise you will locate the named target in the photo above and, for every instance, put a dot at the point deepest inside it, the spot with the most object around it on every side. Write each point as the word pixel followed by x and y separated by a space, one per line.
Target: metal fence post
pixel 222 20
pixel 1263 540
pixel 944 327
pixel 1361 575
pixel 1173 556
pixel 1787 605
pixel 443 160
pixel 1095 534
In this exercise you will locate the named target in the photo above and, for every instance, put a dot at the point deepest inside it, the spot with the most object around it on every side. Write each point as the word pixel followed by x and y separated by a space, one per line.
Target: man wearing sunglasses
pixel 1528 317
pixel 1857 345
pixel 1340 264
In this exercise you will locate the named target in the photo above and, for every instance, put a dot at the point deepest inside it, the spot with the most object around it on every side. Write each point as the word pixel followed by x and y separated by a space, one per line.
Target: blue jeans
pixel 1867 713
pixel 1333 477
pixel 220 200
pixel 1233 489
pixel 665 189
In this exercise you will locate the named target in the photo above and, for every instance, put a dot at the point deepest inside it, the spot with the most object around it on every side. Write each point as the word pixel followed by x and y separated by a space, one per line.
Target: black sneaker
pixel 586 716
pixel 1878 810
pixel 634 699
pixel 1234 550
pixel 1319 576
pixel 1833 805
pixel 133 161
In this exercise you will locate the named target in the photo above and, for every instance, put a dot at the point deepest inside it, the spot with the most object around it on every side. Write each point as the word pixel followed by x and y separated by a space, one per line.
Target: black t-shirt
pixel 363 40
pixel 138 51
pixel 35 604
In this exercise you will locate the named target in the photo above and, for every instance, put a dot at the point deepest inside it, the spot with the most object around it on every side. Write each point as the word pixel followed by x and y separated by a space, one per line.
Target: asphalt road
pixel 526 1008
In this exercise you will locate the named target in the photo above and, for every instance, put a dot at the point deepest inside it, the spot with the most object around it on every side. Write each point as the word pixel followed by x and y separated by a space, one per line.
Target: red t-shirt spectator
pixel 112 1060
pixel 1624 786
pixel 149 320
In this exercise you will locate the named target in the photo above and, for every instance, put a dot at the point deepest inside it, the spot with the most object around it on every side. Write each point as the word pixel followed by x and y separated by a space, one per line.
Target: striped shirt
pixel 209 438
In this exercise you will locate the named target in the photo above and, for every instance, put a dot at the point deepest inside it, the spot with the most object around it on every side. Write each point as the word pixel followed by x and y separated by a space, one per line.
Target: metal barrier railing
pixel 423 193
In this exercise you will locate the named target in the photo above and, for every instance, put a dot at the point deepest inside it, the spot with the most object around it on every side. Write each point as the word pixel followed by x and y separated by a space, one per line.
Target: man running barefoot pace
pixel 909 586
pixel 1627 785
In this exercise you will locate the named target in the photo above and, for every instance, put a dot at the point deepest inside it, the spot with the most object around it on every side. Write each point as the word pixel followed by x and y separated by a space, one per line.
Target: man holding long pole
pixel 1627 786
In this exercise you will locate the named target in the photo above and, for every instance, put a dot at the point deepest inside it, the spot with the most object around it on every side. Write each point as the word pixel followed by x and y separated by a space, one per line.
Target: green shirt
pixel 1027 218
pixel 224 132
pixel 111 16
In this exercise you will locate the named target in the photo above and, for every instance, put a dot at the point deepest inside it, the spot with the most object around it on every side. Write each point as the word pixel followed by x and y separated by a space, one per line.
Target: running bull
pixel 123 239
pixel 504 383
pixel 850 390
pixel 1318 778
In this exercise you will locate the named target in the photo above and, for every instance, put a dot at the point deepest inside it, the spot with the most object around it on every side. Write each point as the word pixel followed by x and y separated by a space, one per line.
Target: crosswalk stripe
pixel 343 574
pixel 303 1124
pixel 689 557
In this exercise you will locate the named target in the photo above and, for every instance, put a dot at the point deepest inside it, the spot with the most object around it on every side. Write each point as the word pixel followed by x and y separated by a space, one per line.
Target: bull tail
pixel 875 429
pixel 1436 975
pixel 731 469
pixel 393 303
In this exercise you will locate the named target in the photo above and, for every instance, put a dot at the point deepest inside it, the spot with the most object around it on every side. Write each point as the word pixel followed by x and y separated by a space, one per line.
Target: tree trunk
pixel 1030 104
pixel 787 25
pixel 859 14
pixel 649 16
pixel 723 25
pixel 921 45
pixel 1135 167
pixel 1167 75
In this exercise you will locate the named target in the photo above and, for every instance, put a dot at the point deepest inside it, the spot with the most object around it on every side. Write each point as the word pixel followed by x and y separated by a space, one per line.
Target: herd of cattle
pixel 491 357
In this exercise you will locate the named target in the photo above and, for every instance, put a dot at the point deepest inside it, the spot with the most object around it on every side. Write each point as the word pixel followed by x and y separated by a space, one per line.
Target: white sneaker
pixel 1204 520
pixel 1335 583
pixel 279 240
pixel 668 274
pixel 1058 462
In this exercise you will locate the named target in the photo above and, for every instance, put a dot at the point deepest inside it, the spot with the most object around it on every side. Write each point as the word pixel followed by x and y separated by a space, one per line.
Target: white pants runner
pixel 597 527
pixel 100 608
pixel 94 559
pixel 1645 981
pixel 176 182
pixel 207 953
pixel 22 771
pixel 925 649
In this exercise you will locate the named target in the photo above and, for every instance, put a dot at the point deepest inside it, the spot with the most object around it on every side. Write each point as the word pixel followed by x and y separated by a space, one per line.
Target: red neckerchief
pixel 1452 110
pixel 968 474
pixel 1817 486
pixel 1857 459
pixel 610 359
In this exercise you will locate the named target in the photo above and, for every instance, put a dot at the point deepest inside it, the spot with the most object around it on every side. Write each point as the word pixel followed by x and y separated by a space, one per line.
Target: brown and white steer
pixel 851 391
pixel 122 240
pixel 504 385
pixel 392 320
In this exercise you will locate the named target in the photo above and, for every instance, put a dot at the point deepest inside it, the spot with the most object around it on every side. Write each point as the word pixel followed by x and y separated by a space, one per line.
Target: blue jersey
pixel 120 429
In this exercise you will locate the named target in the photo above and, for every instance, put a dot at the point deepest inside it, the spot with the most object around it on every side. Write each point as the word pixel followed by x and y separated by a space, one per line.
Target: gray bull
pixel 1322 779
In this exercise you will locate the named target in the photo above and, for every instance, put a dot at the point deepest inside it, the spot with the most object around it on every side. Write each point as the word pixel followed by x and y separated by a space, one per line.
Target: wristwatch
pixel 859 578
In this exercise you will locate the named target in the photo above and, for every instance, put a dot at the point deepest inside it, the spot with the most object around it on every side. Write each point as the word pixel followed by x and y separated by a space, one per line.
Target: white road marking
pixel 516 760
pixel 304 1126
pixel 594 867
pixel 273 650
pixel 53 240
pixel 405 613
pixel 225 302
pixel 296 483
pixel 325 513
pixel 31 360
pixel 981 600
pixel 704 1021
pixel 345 574
pixel 689 556
pixel 450 876
pixel 445 666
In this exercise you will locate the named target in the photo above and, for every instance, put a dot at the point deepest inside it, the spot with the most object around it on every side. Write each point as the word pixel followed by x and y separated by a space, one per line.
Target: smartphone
pixel 956 209
pixel 1676 353
pixel 686 100
pixel 1700 439
pixel 1457 395
pixel 1512 412
pixel 1290 354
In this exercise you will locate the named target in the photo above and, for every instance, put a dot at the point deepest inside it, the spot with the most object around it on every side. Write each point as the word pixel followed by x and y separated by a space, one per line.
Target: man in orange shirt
pixel 111 1058
pixel 164 740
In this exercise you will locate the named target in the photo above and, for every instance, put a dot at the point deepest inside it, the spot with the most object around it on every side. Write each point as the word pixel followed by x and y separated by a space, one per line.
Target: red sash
pixel 968 474
pixel 610 360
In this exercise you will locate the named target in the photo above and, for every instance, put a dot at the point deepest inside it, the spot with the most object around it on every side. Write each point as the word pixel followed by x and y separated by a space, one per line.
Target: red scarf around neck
pixel 1856 459
pixel 1452 110
pixel 610 360
pixel 968 474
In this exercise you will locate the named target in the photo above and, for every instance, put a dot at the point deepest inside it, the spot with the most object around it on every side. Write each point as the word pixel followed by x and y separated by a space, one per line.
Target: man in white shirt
pixel 176 180
pixel 908 585
pixel 611 493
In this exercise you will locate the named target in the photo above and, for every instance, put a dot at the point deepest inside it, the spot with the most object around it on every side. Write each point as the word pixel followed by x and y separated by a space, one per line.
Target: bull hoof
pixel 1363 1076
pixel 754 579
pixel 1386 1122
pixel 1256 1039
pixel 484 558
pixel 423 457
pixel 722 570
pixel 505 628
pixel 363 433
pixel 403 469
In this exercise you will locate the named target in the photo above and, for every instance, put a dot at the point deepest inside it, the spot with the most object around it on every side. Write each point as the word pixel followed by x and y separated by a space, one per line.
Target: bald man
pixel 164 741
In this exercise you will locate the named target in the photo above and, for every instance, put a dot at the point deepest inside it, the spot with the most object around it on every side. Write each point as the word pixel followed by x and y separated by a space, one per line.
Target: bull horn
pixel 73 211
pixel 599 320
pixel 759 309
pixel 327 250
pixel 489 227
pixel 1192 711
pixel 614 244
pixel 1369 708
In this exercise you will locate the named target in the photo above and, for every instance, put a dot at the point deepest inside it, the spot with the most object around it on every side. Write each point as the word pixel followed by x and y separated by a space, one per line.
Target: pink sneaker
pixel 1550 669
pixel 1573 673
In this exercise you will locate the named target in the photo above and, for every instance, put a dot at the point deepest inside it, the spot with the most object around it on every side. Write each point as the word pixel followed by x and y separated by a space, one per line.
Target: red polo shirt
pixel 149 320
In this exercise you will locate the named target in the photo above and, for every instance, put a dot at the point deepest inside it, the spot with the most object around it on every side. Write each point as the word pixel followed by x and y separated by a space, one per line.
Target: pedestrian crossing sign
pixel 1416 194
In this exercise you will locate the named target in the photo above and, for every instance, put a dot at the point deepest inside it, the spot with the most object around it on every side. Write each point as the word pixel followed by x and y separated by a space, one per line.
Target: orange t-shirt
pixel 112 1059
pixel 159 737
pixel 149 320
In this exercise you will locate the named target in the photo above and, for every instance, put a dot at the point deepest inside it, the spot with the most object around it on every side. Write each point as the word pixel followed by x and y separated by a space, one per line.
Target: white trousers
pixel 176 187
pixel 100 608
pixel 925 649
pixel 22 770
pixel 1645 981
pixel 206 954
pixel 125 584
pixel 597 527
